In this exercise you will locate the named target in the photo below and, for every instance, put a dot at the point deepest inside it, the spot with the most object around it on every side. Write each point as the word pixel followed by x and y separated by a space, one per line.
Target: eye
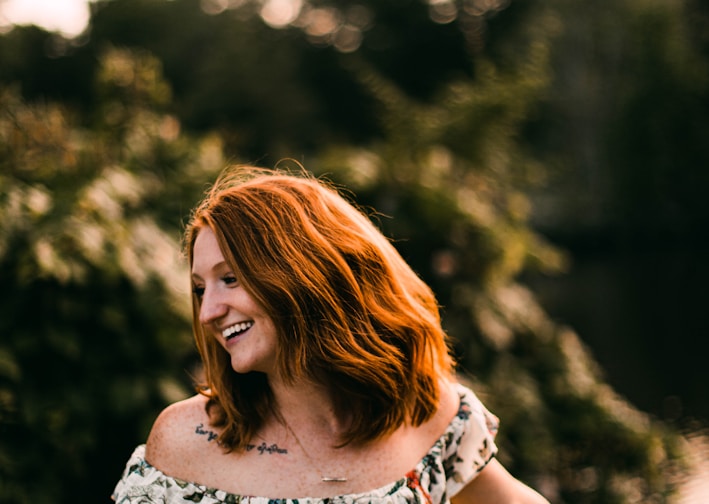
pixel 198 291
pixel 229 279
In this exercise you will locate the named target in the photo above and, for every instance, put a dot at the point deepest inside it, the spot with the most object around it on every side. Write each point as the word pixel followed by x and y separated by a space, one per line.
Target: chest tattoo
pixel 261 448
pixel 265 448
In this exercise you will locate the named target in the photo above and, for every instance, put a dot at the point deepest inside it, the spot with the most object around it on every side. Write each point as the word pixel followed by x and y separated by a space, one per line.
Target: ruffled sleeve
pixel 470 443
pixel 465 448
pixel 142 483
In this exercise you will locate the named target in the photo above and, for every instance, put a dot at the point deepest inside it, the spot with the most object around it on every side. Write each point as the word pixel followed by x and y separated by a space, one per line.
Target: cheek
pixel 251 305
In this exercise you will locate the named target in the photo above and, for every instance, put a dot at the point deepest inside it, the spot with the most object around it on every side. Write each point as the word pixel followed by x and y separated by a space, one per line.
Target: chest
pixel 270 468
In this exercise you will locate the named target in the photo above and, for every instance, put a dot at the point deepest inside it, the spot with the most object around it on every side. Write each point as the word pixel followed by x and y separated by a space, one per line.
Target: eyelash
pixel 227 279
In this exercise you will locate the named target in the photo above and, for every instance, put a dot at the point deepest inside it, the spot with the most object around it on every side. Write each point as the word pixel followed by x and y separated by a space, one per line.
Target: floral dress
pixel 463 450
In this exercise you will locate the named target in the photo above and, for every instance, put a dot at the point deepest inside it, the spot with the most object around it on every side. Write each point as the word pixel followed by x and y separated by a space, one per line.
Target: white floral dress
pixel 466 446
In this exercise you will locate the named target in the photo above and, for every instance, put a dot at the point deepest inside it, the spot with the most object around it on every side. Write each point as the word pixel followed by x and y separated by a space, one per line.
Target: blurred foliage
pixel 436 114
pixel 625 120
pixel 94 313
pixel 449 178
pixel 662 130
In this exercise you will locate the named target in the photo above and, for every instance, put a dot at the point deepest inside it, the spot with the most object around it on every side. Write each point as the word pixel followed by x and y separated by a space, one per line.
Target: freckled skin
pixel 177 448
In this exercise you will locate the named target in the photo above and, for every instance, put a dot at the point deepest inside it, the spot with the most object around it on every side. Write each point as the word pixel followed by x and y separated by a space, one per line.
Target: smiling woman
pixel 227 311
pixel 68 17
pixel 327 373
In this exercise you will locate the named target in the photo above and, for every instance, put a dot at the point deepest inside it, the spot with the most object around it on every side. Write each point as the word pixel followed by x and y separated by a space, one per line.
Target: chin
pixel 244 367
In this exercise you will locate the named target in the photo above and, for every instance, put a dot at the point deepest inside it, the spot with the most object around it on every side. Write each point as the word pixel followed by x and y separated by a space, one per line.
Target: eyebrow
pixel 213 268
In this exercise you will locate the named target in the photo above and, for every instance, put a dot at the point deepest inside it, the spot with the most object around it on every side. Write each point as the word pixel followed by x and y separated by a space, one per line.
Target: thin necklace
pixel 324 479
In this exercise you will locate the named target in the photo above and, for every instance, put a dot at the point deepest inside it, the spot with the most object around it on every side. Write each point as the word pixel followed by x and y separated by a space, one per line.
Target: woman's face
pixel 228 312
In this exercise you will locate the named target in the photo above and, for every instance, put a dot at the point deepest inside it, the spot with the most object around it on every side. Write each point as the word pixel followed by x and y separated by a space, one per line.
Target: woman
pixel 327 371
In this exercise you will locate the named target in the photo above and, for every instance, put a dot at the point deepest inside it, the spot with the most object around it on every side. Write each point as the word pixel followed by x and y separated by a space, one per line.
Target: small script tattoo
pixel 264 448
pixel 211 435
pixel 261 449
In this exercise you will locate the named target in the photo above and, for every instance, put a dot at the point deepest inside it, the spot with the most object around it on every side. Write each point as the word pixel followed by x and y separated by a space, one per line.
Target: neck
pixel 308 408
pixel 305 413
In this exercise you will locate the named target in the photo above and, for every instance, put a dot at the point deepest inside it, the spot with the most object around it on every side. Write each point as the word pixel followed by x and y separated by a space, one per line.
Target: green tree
pixel 452 173
pixel 95 313
pixel 443 144
pixel 625 117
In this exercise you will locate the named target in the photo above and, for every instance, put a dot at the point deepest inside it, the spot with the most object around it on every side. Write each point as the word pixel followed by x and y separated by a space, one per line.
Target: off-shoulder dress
pixel 462 451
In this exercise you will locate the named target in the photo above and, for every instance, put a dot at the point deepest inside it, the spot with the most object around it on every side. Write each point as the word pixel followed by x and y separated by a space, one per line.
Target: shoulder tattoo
pixel 211 435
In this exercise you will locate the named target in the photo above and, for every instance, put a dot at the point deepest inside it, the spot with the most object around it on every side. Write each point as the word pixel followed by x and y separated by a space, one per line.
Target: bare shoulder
pixel 448 405
pixel 180 433
pixel 449 400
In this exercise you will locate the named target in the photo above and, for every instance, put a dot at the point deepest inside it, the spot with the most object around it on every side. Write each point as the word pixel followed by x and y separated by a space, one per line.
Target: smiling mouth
pixel 237 329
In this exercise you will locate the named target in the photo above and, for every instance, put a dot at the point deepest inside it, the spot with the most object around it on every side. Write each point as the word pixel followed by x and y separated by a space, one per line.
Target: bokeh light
pixel 68 17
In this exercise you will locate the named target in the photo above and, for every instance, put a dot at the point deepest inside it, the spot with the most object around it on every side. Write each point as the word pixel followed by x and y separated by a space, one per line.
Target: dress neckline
pixel 382 491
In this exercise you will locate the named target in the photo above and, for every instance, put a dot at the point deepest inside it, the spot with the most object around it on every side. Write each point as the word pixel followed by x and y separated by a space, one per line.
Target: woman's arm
pixel 494 485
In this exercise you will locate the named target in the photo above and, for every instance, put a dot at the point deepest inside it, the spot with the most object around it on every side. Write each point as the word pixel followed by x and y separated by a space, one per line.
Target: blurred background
pixel 543 165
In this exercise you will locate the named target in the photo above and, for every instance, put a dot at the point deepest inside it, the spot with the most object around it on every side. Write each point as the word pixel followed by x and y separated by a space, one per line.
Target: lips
pixel 236 329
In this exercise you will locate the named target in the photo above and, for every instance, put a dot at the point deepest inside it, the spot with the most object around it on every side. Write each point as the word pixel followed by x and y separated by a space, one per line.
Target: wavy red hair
pixel 349 311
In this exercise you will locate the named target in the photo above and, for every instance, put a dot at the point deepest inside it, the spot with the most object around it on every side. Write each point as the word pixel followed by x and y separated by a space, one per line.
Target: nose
pixel 212 307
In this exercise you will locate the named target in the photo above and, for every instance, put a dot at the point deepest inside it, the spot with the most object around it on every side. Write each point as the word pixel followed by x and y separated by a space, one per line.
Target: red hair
pixel 349 312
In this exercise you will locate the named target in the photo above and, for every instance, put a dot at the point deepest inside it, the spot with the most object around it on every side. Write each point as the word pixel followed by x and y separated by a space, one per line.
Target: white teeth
pixel 236 329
